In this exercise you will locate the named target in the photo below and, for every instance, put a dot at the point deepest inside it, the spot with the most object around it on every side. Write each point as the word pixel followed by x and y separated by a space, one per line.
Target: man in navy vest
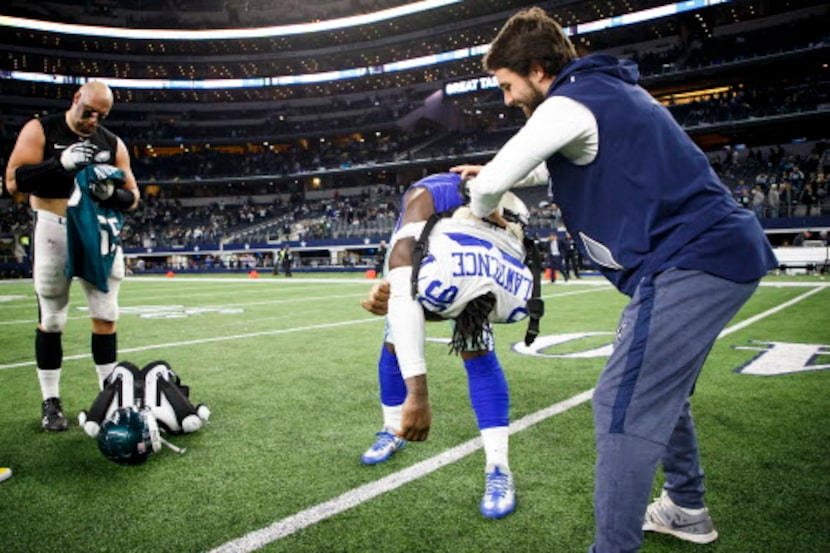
pixel 644 205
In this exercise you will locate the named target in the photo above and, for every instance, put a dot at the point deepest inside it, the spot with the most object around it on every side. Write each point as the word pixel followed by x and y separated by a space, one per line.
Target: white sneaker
pixel 665 517
pixel 499 494
pixel 5 473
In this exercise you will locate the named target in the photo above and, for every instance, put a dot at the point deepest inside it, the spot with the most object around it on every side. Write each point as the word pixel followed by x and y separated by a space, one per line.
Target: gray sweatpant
pixel 641 402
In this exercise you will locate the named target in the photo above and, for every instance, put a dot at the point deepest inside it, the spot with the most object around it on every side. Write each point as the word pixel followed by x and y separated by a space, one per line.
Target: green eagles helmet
pixel 129 436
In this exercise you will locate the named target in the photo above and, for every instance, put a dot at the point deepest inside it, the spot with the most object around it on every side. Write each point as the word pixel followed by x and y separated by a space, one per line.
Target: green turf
pixel 288 369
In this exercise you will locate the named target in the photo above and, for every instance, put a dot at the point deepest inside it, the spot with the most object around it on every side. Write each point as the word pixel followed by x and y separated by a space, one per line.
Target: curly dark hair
pixel 528 38
pixel 471 324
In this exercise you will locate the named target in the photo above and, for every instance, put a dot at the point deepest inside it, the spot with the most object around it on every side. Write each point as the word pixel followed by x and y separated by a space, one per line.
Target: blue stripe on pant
pixel 641 409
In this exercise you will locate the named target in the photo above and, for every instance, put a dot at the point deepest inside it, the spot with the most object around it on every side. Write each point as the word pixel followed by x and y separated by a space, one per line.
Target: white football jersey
pixel 468 258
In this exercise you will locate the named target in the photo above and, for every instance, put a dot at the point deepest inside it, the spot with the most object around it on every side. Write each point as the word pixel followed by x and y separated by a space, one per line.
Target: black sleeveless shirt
pixel 59 136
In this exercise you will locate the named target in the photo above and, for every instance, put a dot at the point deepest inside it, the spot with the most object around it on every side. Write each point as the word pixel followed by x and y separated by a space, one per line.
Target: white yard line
pixel 209 340
pixel 352 498
pixel 289 525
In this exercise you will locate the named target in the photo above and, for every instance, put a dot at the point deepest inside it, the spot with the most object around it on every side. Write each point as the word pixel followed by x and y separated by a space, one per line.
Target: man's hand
pixel 378 301
pixel 78 155
pixel 467 170
pixel 416 418
pixel 104 180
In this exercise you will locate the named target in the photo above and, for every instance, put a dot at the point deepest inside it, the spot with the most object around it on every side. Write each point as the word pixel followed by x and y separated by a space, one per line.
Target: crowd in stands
pixel 774 183
pixel 302 156
pixel 248 219
pixel 770 181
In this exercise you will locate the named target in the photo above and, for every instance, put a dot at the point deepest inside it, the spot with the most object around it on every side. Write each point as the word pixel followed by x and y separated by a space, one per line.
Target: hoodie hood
pixel 623 69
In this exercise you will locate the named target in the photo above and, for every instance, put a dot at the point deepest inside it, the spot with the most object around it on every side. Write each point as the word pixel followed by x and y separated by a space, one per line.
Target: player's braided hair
pixel 470 325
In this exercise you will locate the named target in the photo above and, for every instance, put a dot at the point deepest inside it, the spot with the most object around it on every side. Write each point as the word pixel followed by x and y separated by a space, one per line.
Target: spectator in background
pixel 774 201
pixel 809 200
pixel 555 256
pixel 573 257
pixel 287 260
pixel 741 193
pixel 758 201
pixel 557 215
pixel 801 237
pixel 796 177
pixel 380 259
pixel 787 199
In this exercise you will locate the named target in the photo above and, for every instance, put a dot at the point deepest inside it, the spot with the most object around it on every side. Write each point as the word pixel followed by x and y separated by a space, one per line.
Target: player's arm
pixel 539 175
pixel 406 320
pixel 406 323
pixel 559 124
pixel 53 177
pixel 28 151
pixel 122 161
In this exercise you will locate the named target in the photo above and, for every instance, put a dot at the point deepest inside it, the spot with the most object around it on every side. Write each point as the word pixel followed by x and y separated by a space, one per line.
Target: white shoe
pixel 694 525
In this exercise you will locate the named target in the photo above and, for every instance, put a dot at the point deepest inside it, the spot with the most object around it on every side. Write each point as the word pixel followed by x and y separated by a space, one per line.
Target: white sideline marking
pixel 289 525
pixel 768 312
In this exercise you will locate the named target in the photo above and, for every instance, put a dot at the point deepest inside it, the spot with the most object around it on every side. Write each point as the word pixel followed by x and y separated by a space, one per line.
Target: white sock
pixel 496 447
pixel 392 415
pixel 103 372
pixel 49 382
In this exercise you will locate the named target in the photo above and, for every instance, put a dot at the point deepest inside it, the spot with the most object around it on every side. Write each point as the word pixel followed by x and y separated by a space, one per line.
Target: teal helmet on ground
pixel 129 436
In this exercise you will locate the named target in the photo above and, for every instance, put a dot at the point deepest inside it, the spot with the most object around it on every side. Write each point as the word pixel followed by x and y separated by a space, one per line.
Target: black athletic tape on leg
pixel 48 350
pixel 104 348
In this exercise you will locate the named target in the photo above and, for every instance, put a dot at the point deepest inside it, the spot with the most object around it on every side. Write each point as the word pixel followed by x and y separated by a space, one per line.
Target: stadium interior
pixel 308 132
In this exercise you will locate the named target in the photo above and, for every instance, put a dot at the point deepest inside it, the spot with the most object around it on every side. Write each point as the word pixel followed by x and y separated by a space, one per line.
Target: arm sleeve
pixel 406 321
pixel 558 124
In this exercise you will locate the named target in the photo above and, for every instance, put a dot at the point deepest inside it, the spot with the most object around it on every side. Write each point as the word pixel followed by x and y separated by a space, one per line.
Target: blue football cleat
pixel 384 447
pixel 499 494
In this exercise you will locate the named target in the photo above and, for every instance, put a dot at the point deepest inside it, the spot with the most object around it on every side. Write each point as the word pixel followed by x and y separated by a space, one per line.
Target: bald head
pixel 96 91
pixel 90 106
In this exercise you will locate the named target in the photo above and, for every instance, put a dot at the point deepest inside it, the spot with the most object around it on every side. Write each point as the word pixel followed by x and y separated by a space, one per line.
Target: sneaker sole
pixel 58 429
pixel 701 539
pixel 497 515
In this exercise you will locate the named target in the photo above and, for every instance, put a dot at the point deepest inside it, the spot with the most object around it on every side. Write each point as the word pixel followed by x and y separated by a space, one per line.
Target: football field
pixel 288 369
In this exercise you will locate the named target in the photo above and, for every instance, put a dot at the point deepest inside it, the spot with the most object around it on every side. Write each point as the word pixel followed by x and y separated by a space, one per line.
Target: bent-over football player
pixel 469 271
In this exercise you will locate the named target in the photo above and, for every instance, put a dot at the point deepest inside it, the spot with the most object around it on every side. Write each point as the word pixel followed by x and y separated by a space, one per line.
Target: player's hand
pixel 467 170
pixel 378 301
pixel 78 155
pixel 106 178
pixel 416 418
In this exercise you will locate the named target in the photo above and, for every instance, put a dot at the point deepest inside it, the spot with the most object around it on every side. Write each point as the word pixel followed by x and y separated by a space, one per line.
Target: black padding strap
pixel 121 199
pixel 535 305
pixel 46 180
pixel 421 247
